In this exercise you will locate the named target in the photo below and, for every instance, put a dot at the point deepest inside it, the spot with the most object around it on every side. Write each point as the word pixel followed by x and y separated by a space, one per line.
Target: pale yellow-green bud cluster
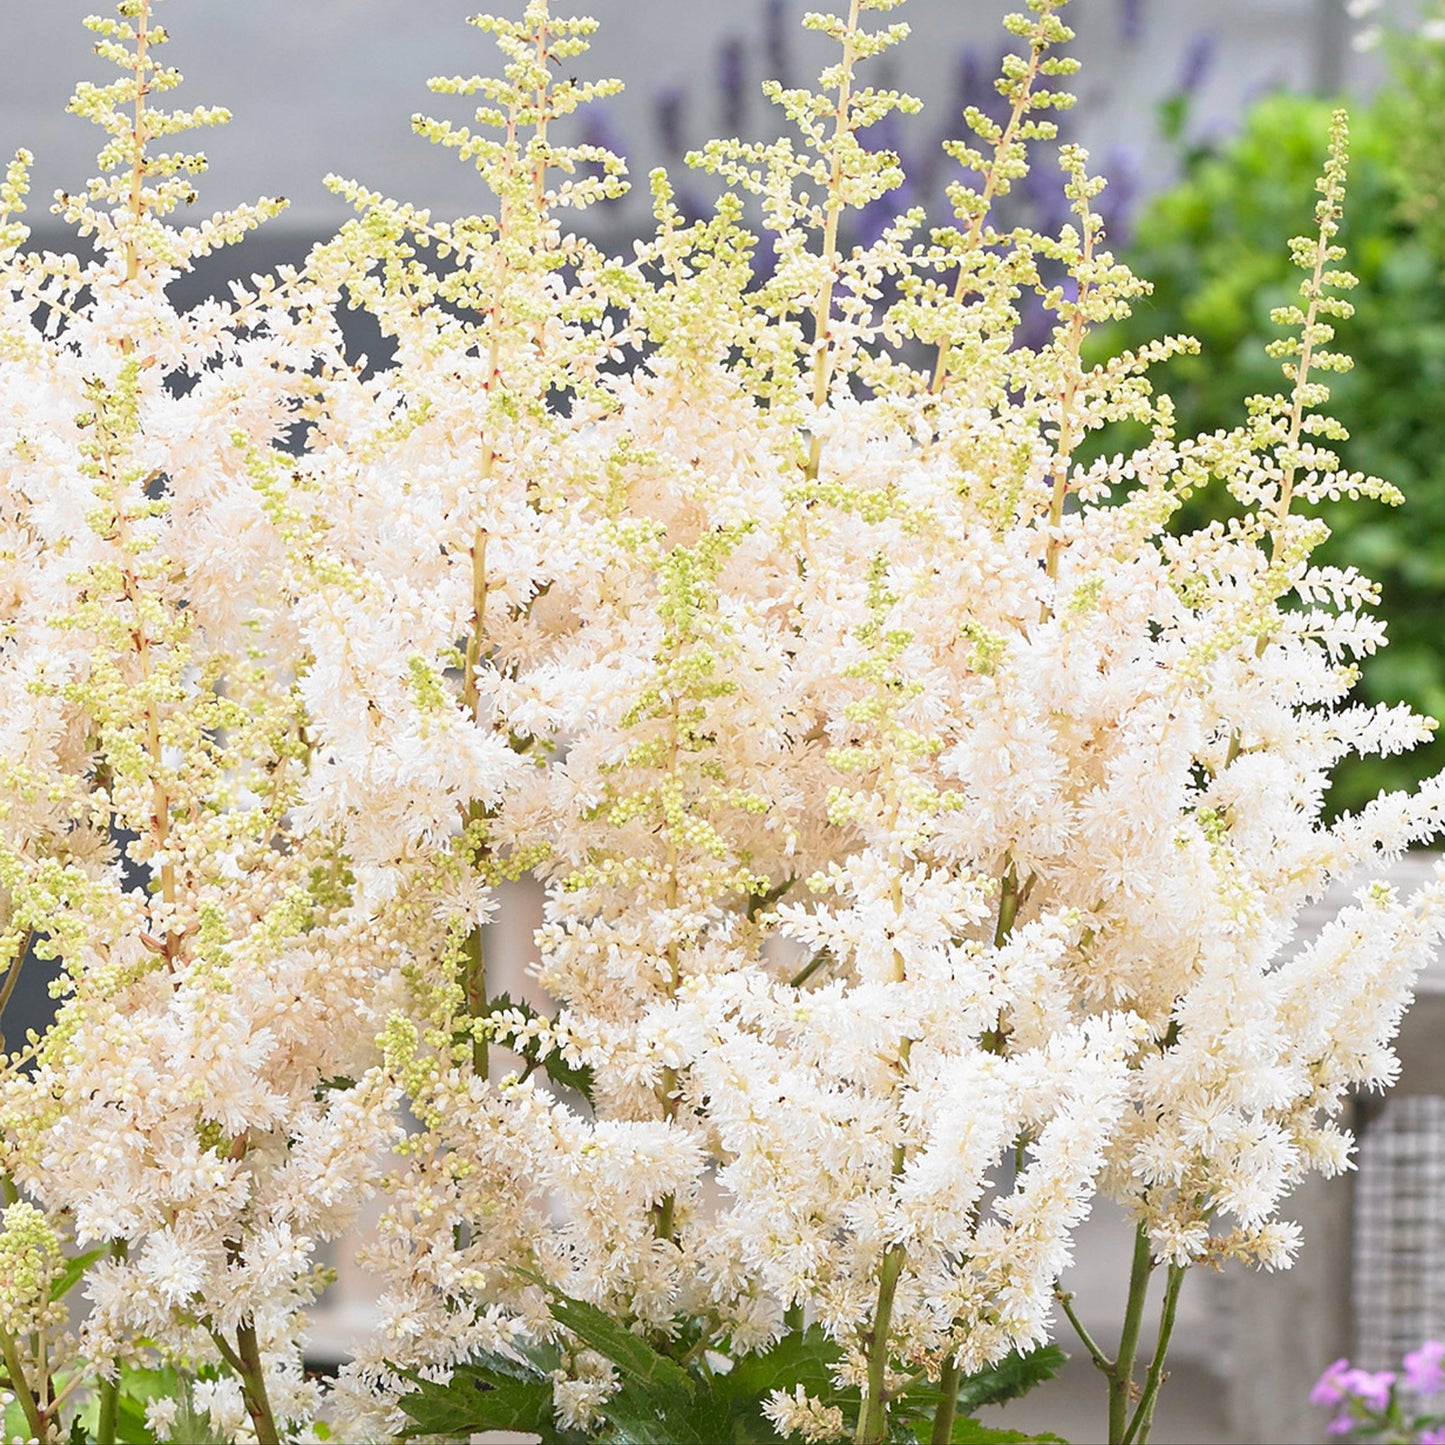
pixel 30 1259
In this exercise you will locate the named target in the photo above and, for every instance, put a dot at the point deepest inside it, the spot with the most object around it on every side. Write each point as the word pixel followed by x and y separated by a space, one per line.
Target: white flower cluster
pixel 924 825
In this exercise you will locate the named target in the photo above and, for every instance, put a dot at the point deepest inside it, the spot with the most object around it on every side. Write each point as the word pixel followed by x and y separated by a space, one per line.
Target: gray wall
pixel 330 85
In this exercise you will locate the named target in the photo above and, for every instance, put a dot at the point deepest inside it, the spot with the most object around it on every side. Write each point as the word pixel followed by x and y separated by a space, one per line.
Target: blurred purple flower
pixel 1199 60
pixel 1118 204
pixel 1048 206
pixel 1131 21
pixel 668 107
pixel 777 42
pixel 1433 1437
pixel 1423 1368
pixel 973 78
pixel 765 257
pixel 732 83
pixel 599 130
pixel 669 125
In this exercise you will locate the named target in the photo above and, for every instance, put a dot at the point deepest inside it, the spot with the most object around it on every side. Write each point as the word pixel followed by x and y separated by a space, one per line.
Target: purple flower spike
pixel 732 83
pixel 668 107
pixel 777 34
pixel 1198 61
pixel 1423 1368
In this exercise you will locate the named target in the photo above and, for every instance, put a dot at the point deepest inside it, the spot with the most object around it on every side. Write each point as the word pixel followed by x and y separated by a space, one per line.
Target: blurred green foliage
pixel 1216 248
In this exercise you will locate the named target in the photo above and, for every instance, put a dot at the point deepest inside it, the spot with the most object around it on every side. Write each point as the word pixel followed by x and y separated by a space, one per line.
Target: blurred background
pixel 1209 121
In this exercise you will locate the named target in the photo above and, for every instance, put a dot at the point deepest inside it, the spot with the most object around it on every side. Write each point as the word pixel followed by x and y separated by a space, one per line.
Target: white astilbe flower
pixel 799 1414
pixel 924 826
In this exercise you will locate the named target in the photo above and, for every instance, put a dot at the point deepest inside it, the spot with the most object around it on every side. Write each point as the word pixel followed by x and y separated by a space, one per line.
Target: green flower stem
pixel 109 1411
pixel 475 980
pixel 1008 905
pixel 105 1427
pixel 476 639
pixel 1008 138
pixel 1100 1359
pixel 1138 1432
pixel 34 1416
pixel 475 984
pixel 948 1383
pixel 1010 897
pixel 253 1385
pixel 1121 1377
pixel 12 974
pixel 245 1359
pixel 823 316
pixel 817 961
pixel 873 1417
pixel 141 22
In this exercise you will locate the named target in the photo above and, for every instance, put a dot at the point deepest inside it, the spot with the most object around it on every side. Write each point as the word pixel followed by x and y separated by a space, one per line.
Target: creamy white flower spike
pixel 924 825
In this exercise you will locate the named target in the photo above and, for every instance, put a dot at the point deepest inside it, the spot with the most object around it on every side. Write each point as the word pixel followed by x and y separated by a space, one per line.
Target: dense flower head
pixel 923 826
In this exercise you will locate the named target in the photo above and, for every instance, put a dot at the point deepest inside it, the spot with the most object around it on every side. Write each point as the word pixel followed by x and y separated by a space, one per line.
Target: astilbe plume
pixel 154 746
pixel 924 828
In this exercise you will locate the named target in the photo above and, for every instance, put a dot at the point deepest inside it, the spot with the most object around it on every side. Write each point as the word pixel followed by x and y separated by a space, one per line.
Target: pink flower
pixel 1423 1372
pixel 1328 1389
pixel 1371 1388
pixel 1433 1437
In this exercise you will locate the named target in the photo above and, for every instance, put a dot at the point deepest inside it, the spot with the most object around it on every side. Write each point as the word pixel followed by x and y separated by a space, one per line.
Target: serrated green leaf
pixel 138 1385
pixel 502 1003
pixel 632 1355
pixel 476 1398
pixel 644 1416
pixel 658 1402
pixel 1012 1377
pixel 805 1359
pixel 130 1423
pixel 580 1077
pixel 568 1076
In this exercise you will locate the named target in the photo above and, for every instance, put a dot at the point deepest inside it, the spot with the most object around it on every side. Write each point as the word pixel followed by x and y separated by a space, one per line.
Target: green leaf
pixel 138 1385
pixel 967 1431
pixel 130 1422
pixel 480 1397
pixel 802 1358
pixel 805 1359
pixel 632 1355
pixel 579 1077
pixel 658 1402
pixel 642 1416
pixel 1012 1377
pixel 67 1279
